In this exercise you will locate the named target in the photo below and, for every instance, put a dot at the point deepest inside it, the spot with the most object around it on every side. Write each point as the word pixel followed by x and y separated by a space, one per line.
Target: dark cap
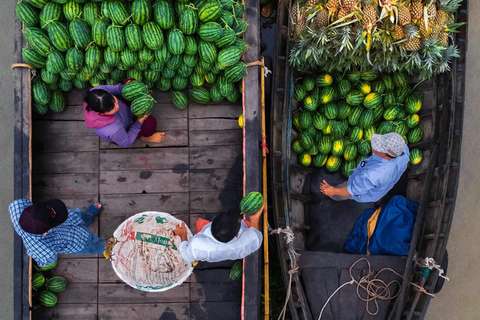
pixel 41 217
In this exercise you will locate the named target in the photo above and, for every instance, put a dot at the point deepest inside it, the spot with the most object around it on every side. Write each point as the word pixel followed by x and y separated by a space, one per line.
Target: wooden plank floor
pixel 196 172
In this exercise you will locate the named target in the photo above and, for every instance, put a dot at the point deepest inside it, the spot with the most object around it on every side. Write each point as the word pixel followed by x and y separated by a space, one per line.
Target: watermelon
pixel 415 134
pixel 366 119
pixel 162 55
pixel 48 267
pixel 190 45
pixel 179 99
pixel 400 80
pixel 400 127
pixel 328 129
pixel 38 280
pixel 319 160
pixel 190 60
pixel 184 71
pixel 227 37
pixel 378 87
pixel 215 93
pixel 128 58
pixel 118 14
pixel 164 16
pixel 319 121
pixel 364 147
pixel 305 159
pixel 344 87
pixel 210 31
pixel 327 94
pixel 141 12
pixel 168 73
pixel 337 147
pixel 350 152
pixel 133 90
pixel 163 84
pixel 416 156
pixel 72 10
pixel 228 56
pixel 56 284
pixel 208 52
pixel 413 103
pixel 372 100
pixel 31 57
pixel 391 113
pixel 355 97
pixel 356 134
pixel 369 75
pixel 40 92
pixel 55 62
pixel 333 163
pixel 310 103
pixel 50 13
pixel 179 83
pixel 347 168
pixel 133 37
pixel 226 87
pixel 306 140
pixel 57 103
pixel 111 57
pixel 377 113
pixel 297 147
pixel 47 298
pixel 325 145
pixel 210 11
pixel 38 41
pixel 145 55
pixel 153 36
pixel 338 129
pixel 176 42
pixel 413 121
pixel 365 87
pixel 80 32
pixel 389 99
pixel 388 82
pixel 305 120
pixel 313 150
pixel 251 203
pixel 330 110
pixel 403 93
pixel 344 110
pixel 308 83
pixel 210 77
pixel 26 14
pixel 91 12
pixel 67 74
pixel 197 80
pixel 188 21
pixel 324 80
pixel 65 85
pixel 93 56
pixel 200 95
pixel 142 105
pixel 59 36
pixel 236 271
pixel 354 76
pixel 368 132
pixel 385 127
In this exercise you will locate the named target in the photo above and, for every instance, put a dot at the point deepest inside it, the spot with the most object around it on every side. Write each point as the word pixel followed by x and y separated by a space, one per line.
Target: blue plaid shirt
pixel 69 237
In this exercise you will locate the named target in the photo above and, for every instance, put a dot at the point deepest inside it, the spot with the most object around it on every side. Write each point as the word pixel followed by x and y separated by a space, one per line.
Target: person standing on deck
pixel 113 120
pixel 376 175
pixel 227 237
pixel 50 228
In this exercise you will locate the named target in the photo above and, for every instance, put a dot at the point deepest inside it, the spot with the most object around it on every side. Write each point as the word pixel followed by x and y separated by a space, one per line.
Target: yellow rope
pixel 22 65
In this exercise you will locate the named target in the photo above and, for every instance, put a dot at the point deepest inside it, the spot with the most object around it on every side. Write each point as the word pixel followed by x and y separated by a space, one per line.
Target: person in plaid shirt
pixel 50 228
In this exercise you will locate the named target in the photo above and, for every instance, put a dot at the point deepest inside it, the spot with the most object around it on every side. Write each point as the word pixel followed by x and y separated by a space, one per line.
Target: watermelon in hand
pixel 251 203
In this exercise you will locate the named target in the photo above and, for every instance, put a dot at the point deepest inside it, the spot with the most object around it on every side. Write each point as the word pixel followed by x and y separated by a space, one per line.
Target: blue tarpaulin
pixel 393 229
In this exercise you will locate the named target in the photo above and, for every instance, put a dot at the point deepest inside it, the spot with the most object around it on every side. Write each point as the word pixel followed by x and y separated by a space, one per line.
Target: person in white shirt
pixel 227 237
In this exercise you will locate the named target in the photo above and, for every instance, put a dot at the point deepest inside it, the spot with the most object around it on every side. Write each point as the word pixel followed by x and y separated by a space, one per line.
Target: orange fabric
pixel 200 223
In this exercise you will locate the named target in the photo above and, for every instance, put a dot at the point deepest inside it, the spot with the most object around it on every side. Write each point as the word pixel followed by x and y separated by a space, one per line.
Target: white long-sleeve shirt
pixel 204 247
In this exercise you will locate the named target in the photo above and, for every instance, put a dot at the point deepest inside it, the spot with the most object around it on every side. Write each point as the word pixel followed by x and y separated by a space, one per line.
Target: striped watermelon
pixel 48 77
pixel 79 83
pixel 227 18
pixel 369 75
pixel 40 109
pixel 111 57
pixel 38 3
pixel 115 38
pixel 364 147
pixel 338 147
pixel 413 103
pixel 153 36
pixel 163 12
pixel 319 121
pixel 38 279
pixel 378 87
pixel 133 37
pixel 72 10
pixel 234 96
pixel 141 12
pixel 251 203
pixel 128 57
pixel 415 134
pixel 59 36
pixel 99 32
pixel 305 159
pixel 310 103
pixel 350 152
pixel 134 89
pixel 57 103
pixel 196 79
pixel 356 134
pixel 26 14
pixel 403 93
pixel 118 14
pixel 391 113
pixel 355 97
pixel 215 93
pixel 330 110
pixel 344 87
pixel 190 60
pixel 31 57
pixel 229 56
pixel 174 62
pixel 80 32
pixel 190 45
pixel 55 62
pixel 324 80
pixel 151 76
pixel 176 42
pixel 338 129
pixel 179 99
pixel 200 95
pixel 236 72
pixel 210 31
pixel 327 94
pixel 306 140
pixel 142 105
pixel 236 271
pixel 347 168
pixel 50 13
pixel 179 82
pixel 208 52
pixel 240 26
pixel 365 87
pixel 400 80
pixel 333 163
pixel 146 55
pixel 210 11
pixel 416 156
pixel 74 59
pixel 168 73
pixel 56 284
pixel 162 55
pixel 130 74
pixel 227 37
pixel 319 160
pixel 388 82
pixel 239 9
pixel 93 56
pixel 366 119
pixel 372 100
pixel 413 121
pixel 91 12
pixel 184 71
pixel 38 41
pixel 344 110
pixel 188 21
pixel 47 298
pixel 40 92
pixel 226 87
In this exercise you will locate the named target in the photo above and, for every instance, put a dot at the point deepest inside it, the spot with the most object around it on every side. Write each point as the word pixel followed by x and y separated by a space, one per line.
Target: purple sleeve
pixel 125 138
pixel 116 90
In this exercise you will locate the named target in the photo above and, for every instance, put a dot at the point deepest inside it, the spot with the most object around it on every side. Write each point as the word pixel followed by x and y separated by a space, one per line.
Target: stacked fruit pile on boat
pixel 45 290
pixel 356 64
pixel 167 44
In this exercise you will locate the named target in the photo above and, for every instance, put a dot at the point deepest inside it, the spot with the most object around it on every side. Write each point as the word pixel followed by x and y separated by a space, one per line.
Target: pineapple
pixel 431 10
pixel 404 16
pixel 443 38
pixel 299 26
pixel 320 20
pixel 398 32
pixel 350 4
pixel 416 10
pixel 342 13
pixel 369 17
pixel 425 31
pixel 441 18
pixel 412 44
pixel 332 6
pixel 451 19
pixel 310 4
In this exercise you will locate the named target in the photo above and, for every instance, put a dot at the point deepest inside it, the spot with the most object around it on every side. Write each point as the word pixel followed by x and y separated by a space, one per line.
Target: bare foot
pixel 156 137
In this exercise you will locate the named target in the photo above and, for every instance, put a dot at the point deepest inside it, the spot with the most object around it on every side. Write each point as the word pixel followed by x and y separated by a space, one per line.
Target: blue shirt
pixel 68 237
pixel 375 176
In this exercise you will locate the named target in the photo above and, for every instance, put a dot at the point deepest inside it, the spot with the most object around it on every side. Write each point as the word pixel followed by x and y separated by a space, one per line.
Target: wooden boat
pixel 202 166
pixel 320 229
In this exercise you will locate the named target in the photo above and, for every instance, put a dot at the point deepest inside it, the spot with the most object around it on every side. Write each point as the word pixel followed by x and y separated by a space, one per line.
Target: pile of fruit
pixel 337 116
pixel 387 36
pixel 167 44
pixel 46 289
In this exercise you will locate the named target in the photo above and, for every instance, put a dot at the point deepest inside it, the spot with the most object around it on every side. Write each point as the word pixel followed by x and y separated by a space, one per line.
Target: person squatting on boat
pixel 227 237
pixel 376 175
pixel 113 120
pixel 50 228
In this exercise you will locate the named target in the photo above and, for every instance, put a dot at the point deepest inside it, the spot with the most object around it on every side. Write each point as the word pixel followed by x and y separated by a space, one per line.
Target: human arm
pixel 328 190
pixel 123 137
pixel 255 218
pixel 181 231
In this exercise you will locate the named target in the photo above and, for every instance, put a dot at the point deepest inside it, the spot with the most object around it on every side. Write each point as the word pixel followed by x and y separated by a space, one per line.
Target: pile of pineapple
pixel 385 35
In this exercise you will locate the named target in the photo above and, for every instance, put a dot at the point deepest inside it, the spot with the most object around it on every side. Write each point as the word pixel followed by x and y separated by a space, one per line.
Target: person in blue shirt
pixel 50 228
pixel 376 175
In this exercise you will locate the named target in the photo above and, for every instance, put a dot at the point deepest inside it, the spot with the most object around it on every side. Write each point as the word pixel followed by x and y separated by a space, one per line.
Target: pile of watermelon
pixel 164 44
pixel 337 116
pixel 46 289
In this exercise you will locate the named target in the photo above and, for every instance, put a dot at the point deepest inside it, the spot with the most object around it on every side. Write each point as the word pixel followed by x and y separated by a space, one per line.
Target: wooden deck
pixel 196 172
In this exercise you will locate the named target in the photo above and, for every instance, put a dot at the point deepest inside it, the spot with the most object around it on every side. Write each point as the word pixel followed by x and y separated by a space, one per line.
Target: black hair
pixel 100 101
pixel 226 225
